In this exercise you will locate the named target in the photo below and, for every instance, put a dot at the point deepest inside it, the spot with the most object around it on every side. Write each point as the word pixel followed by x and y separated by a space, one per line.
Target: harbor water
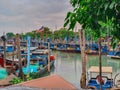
pixel 69 66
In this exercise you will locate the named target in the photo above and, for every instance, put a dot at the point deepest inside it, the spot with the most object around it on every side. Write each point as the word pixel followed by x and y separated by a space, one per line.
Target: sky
pixel 19 16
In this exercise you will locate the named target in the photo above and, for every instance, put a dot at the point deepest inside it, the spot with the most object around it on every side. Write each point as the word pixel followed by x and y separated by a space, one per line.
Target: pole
pixel 13 56
pixel 19 55
pixel 48 56
pixel 100 62
pixel 28 54
pixel 4 46
pixel 4 42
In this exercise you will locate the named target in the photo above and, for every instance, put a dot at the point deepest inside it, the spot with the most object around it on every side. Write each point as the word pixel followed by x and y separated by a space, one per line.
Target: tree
pixel 91 14
pixel 63 33
pixel 47 33
pixel 10 35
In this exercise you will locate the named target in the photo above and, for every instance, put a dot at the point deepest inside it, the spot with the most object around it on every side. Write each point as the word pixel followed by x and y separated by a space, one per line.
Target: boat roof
pixel 95 69
pixel 41 51
pixel 31 48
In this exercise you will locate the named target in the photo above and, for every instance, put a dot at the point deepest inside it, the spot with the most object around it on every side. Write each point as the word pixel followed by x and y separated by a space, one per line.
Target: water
pixel 69 66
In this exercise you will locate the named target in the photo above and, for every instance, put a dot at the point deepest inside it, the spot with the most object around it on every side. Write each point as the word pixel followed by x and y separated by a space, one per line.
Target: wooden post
pixel 4 46
pixel 19 56
pixel 100 62
pixel 48 57
pixel 4 42
pixel 83 55
pixel 13 57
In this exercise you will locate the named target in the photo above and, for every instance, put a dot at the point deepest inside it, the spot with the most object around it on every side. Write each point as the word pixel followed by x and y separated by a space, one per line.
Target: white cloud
pixel 28 15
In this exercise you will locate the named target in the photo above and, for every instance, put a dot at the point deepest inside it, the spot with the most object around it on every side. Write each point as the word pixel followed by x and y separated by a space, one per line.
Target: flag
pixel 40 30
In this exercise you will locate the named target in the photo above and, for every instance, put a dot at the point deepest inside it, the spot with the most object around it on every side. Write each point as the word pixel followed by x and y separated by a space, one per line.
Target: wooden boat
pixel 95 81
pixel 9 48
pixel 111 53
pixel 93 49
pixel 36 68
pixel 39 61
pixel 69 48
pixel 114 55
pixel 93 52
pixel 9 61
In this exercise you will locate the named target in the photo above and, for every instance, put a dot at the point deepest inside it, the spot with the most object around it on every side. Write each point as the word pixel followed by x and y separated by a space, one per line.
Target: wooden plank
pixel 95 69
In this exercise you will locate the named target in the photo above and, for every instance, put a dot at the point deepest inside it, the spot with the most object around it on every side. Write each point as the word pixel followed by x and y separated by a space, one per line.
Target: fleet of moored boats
pixel 40 55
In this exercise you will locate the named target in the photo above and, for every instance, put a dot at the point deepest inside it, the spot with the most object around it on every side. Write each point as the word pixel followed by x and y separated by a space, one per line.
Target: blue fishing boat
pixel 39 61
pixel 114 54
pixel 70 48
pixel 106 82
pixel 9 48
pixel 94 50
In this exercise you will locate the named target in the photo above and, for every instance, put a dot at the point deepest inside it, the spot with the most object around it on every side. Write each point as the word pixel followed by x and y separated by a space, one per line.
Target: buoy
pixel 52 57
pixel 99 78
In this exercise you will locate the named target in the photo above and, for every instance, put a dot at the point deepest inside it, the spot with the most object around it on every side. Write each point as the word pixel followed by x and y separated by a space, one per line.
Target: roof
pixel 44 51
pixel 49 82
pixel 95 69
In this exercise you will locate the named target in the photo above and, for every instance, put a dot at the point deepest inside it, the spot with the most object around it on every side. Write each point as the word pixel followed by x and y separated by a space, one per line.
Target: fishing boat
pixel 92 52
pixel 114 55
pixel 9 48
pixel 8 61
pixel 93 49
pixel 39 61
pixel 95 52
pixel 111 53
pixel 69 48
pixel 107 82
pixel 3 73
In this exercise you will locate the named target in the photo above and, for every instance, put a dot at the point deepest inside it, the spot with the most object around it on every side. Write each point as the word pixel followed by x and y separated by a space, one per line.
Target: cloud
pixel 28 15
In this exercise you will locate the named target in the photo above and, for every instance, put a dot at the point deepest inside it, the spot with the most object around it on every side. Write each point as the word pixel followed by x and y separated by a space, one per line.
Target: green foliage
pixel 97 15
pixel 16 80
pixel 10 35
pixel 44 34
pixel 34 75
pixel 28 77
pixel 62 33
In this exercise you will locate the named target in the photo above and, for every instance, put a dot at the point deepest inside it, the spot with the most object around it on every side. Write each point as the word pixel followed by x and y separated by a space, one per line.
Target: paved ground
pixel 18 88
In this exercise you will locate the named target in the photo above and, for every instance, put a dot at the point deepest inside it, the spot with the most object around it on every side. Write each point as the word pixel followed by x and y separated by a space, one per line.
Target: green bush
pixel 16 80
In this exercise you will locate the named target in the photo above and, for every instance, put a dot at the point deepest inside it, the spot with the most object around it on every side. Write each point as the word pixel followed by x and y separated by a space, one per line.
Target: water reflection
pixel 106 61
pixel 68 65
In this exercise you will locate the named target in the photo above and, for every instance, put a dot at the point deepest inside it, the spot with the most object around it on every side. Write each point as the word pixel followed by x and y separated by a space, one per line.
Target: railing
pixel 117 80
